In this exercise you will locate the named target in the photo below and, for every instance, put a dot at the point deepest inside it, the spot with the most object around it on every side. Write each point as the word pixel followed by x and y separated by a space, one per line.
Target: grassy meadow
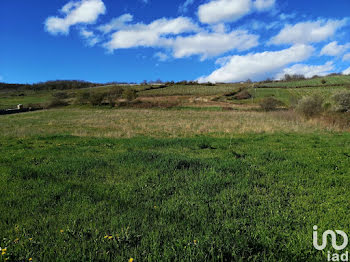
pixel 188 173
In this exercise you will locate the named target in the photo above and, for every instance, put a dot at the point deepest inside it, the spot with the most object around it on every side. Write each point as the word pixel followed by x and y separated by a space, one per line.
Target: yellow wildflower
pixel 110 237
pixel 16 240
pixel 30 239
pixel 4 249
pixel 30 259
pixel 106 237
pixel 61 230
pixel 131 260
pixel 195 241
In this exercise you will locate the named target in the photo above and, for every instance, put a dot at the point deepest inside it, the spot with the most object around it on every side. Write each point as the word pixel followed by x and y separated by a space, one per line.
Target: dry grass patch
pixel 154 123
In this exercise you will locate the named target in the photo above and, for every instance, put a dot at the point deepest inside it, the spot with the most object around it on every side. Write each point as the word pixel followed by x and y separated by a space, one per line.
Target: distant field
pixel 10 100
pixel 330 80
pixel 287 94
pixel 284 91
pixel 190 90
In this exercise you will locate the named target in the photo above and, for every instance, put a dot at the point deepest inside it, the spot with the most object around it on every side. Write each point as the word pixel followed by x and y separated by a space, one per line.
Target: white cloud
pixel 257 66
pixel 151 35
pixel 81 12
pixel 308 32
pixel 223 10
pixel 307 70
pixel 231 10
pixel 346 71
pixel 184 7
pixel 161 56
pixel 262 5
pixel 346 57
pixel 333 49
pixel 258 25
pixel 90 37
pixel 211 44
pixel 86 34
pixel 116 23
pixel 285 16
pixel 165 33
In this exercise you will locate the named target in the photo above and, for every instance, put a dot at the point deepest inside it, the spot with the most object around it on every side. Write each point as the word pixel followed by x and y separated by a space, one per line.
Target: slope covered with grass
pixel 318 81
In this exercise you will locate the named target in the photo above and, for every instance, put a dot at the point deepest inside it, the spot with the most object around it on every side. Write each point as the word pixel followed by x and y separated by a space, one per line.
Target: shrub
pixel 129 94
pixel 227 108
pixel 323 81
pixel 113 95
pixel 293 101
pixel 342 101
pixel 82 98
pixel 96 99
pixel 60 95
pixel 111 100
pixel 244 94
pixel 339 120
pixel 270 103
pixel 56 102
pixel 327 106
pixel 116 91
pixel 35 106
pixel 310 106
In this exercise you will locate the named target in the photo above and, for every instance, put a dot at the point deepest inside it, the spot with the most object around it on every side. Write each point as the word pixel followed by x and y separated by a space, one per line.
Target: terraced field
pixel 330 80
pixel 287 95
pixel 195 90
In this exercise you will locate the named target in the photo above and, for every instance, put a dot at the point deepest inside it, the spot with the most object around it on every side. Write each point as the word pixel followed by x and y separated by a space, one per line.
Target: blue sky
pixel 205 40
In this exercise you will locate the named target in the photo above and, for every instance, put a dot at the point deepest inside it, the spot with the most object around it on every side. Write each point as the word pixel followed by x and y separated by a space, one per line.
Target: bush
pixel 35 106
pixel 342 101
pixel 270 103
pixel 129 94
pixel 310 106
pixel 293 101
pixel 113 95
pixel 82 98
pixel 323 81
pixel 244 94
pixel 60 95
pixel 56 102
pixel 96 99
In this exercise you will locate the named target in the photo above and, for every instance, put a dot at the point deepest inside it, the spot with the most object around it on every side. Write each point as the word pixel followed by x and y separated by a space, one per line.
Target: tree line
pixel 50 85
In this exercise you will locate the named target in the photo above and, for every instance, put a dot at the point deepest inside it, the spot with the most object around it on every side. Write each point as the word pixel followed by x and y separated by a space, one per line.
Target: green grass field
pixel 205 180
pixel 12 99
pixel 330 80
pixel 286 95
pixel 183 90
pixel 247 198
